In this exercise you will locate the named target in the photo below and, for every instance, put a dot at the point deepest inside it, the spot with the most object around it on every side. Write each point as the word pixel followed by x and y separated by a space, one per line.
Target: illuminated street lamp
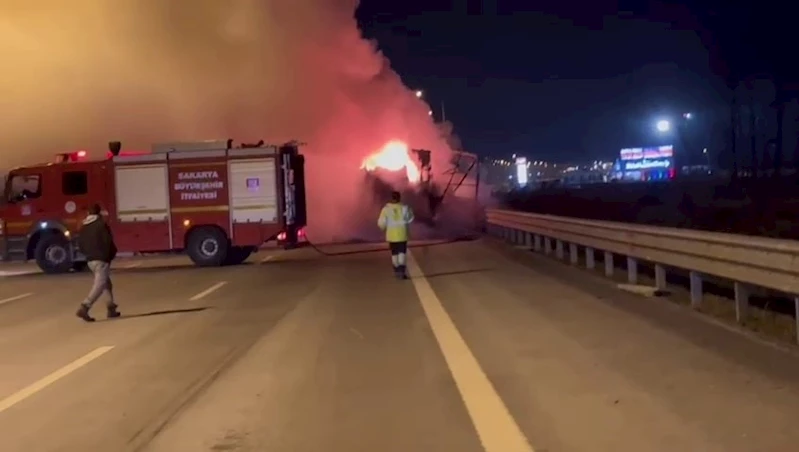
pixel 687 115
pixel 663 126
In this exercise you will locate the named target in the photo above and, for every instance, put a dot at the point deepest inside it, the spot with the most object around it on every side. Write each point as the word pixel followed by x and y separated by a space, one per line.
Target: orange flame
pixel 393 156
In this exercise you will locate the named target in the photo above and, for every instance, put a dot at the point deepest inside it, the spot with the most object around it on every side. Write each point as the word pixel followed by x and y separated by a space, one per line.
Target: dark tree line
pixel 750 45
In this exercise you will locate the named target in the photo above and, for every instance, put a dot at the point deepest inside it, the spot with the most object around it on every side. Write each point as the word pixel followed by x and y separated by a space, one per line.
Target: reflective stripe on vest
pixel 396 215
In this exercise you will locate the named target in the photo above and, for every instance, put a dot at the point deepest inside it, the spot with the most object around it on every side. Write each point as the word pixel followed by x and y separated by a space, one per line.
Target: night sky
pixel 554 80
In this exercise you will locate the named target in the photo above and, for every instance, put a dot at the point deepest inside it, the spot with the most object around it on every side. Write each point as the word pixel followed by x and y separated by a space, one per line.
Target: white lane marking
pixel 18 272
pixel 267 258
pixel 15 298
pixel 208 291
pixel 32 389
pixel 495 426
pixel 357 333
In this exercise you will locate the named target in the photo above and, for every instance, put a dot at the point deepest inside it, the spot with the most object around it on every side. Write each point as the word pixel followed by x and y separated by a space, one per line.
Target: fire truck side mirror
pixel 115 147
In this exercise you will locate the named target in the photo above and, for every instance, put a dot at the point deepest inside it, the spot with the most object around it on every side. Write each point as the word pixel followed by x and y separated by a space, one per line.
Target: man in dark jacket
pixel 97 244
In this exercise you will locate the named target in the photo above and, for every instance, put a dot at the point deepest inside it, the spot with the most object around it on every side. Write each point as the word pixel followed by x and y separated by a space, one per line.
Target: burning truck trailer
pixel 443 205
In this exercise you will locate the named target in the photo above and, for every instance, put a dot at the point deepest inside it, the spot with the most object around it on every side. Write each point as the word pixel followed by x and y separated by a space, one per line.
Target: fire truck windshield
pixel 22 187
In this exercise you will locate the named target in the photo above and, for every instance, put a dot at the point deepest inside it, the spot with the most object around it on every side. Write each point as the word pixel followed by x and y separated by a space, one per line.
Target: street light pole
pixel 420 95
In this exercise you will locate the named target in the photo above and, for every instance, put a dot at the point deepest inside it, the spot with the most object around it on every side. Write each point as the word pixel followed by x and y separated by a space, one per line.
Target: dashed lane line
pixel 208 291
pixel 37 386
pixel 15 298
pixel 18 272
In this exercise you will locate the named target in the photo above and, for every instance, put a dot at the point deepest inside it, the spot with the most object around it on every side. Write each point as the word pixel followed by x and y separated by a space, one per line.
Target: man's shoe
pixel 401 272
pixel 83 313
pixel 113 312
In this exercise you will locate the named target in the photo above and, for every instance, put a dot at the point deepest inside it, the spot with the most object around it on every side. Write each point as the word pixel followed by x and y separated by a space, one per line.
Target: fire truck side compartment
pixel 164 196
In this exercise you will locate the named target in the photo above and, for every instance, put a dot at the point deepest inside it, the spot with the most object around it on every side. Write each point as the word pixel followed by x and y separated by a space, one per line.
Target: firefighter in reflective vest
pixel 395 219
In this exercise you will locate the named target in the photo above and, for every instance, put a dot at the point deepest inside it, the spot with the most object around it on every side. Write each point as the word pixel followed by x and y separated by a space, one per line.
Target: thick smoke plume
pixel 77 74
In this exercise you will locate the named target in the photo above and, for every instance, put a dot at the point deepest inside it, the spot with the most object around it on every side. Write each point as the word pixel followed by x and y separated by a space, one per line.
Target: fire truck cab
pixel 215 201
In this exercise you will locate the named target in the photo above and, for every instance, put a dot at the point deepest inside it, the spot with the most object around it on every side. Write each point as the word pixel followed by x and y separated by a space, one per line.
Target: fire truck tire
pixel 52 254
pixel 208 247
pixel 236 255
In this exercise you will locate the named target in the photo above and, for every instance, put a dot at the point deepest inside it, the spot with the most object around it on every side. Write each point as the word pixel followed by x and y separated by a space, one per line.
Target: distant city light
pixel 521 171
pixel 419 94
pixel 687 115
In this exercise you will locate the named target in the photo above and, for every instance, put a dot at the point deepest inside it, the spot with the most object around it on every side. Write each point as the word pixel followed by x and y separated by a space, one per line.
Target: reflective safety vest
pixel 394 219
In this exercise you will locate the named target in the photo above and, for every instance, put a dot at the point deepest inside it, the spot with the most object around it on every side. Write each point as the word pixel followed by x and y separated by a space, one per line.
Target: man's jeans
pixel 102 283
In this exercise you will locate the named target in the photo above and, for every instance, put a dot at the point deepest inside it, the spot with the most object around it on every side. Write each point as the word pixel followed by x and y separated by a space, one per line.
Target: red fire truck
pixel 214 200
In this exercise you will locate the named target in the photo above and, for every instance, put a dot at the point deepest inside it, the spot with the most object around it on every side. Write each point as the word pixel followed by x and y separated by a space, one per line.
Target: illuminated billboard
pixel 650 153
pixel 647 163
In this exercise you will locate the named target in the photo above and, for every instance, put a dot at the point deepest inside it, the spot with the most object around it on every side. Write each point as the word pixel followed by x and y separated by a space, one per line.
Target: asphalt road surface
pixel 484 349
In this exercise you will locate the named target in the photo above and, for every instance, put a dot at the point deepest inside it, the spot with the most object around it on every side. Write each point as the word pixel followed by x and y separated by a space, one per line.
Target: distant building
pixel 507 173
pixel 596 173
pixel 541 170
pixel 497 172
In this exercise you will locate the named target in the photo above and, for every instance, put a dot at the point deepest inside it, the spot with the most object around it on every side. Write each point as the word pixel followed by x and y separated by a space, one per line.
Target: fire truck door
pixel 82 185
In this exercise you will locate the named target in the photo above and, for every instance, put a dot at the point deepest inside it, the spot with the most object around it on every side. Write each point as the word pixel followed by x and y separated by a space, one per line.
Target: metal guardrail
pixel 747 261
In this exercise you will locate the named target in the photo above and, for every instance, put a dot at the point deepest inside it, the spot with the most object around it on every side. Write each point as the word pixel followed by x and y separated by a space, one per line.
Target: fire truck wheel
pixel 208 247
pixel 52 254
pixel 238 254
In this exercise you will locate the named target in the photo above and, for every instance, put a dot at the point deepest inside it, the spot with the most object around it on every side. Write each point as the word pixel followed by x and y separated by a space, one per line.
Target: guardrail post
pixel 632 270
pixel 559 249
pixel 528 240
pixel 660 278
pixel 796 316
pixel 547 246
pixel 696 289
pixel 590 263
pixel 573 253
pixel 608 264
pixel 537 243
pixel 741 301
